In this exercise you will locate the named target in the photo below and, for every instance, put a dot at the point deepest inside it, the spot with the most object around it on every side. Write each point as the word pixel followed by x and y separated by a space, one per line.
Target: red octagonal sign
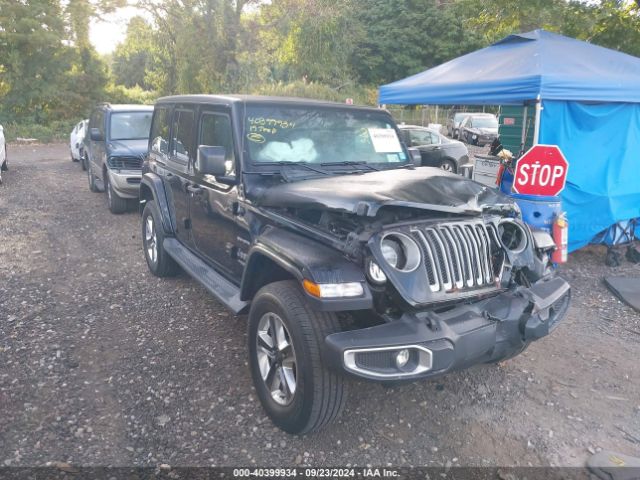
pixel 541 171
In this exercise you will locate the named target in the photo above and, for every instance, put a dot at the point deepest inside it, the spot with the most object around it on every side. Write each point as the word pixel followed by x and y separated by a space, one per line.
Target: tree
pixel 34 58
pixel 133 58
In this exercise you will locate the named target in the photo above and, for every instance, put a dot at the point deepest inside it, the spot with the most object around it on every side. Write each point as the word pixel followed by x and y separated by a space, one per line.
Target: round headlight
pixel 400 251
pixel 392 252
pixel 512 236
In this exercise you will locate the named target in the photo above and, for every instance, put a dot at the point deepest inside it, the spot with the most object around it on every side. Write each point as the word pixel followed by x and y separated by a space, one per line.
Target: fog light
pixel 402 357
pixel 376 274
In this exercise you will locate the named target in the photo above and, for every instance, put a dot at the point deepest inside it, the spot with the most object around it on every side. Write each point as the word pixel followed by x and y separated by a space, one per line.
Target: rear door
pixel 219 233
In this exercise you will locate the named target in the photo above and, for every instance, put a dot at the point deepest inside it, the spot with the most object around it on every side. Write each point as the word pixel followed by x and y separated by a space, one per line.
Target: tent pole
pixel 523 134
pixel 536 129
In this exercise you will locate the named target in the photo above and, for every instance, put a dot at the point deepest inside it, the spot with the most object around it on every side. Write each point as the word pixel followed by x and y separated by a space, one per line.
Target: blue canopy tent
pixel 587 101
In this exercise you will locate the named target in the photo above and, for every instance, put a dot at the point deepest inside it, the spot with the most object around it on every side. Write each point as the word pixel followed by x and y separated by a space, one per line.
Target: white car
pixel 4 162
pixel 76 141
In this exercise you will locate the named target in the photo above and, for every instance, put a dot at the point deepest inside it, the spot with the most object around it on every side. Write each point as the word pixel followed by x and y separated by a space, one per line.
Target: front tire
pixel 448 166
pixel 116 203
pixel 298 392
pixel 158 260
pixel 5 165
pixel 91 178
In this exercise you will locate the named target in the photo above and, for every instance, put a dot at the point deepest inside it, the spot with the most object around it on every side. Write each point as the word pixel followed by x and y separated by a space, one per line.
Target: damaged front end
pixel 451 274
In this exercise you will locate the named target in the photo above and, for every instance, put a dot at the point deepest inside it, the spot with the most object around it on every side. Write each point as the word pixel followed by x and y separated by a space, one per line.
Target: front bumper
pixel 486 331
pixel 126 183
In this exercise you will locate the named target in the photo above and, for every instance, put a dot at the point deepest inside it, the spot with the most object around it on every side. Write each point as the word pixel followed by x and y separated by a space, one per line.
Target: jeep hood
pixel 133 148
pixel 364 194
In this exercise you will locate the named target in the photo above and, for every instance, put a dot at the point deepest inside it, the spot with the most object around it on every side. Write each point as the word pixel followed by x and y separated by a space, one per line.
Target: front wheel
pixel 298 392
pixel 91 178
pixel 116 203
pixel 158 260
pixel 448 166
pixel 5 165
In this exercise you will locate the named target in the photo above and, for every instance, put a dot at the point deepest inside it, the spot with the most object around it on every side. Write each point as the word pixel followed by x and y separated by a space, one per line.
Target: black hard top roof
pixel 229 100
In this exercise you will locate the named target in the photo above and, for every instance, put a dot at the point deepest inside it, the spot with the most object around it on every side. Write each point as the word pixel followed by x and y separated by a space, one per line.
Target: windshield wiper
pixel 351 163
pixel 297 164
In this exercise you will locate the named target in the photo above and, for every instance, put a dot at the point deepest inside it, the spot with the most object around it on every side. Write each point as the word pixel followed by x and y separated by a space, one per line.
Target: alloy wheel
pixel 151 240
pixel 276 358
pixel 447 167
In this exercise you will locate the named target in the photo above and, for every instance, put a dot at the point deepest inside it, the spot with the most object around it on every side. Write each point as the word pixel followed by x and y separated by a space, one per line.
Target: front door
pixel 177 176
pixel 429 145
pixel 217 224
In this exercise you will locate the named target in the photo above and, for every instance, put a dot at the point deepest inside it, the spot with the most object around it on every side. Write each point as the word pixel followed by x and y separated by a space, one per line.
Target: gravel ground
pixel 103 364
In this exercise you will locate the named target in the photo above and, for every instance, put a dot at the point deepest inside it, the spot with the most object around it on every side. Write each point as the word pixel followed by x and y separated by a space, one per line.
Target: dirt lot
pixel 103 364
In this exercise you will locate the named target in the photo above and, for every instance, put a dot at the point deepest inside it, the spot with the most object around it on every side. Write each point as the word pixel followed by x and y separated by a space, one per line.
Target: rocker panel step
pixel 221 288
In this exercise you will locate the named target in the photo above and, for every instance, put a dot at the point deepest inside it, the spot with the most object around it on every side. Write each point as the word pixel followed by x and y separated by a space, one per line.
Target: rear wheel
pixel 298 392
pixel 83 162
pixel 116 203
pixel 158 261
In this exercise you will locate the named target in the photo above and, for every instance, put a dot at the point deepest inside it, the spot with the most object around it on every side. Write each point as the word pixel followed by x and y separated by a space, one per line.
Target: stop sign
pixel 541 171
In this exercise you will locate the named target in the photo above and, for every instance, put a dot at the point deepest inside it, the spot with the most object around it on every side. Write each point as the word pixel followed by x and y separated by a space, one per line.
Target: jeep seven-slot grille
pixel 458 255
pixel 125 163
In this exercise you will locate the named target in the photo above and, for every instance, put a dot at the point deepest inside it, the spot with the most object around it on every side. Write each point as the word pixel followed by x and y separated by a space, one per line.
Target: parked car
pixel 453 123
pixel 76 141
pixel 435 149
pixel 4 160
pixel 479 129
pixel 311 217
pixel 118 141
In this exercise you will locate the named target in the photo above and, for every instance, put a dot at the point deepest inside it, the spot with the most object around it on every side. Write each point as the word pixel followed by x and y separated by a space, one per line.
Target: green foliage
pixel 319 91
pixel 52 131
pixel 50 75
pixel 134 57
pixel 121 94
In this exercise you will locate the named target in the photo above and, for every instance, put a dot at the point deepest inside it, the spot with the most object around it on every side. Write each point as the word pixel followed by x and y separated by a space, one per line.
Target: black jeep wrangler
pixel 311 217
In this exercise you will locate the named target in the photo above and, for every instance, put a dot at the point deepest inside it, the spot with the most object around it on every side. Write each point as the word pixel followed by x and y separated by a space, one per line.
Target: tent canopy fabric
pixel 601 142
pixel 524 67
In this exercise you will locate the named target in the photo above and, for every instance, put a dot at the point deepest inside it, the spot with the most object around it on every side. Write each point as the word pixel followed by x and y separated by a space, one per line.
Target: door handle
pixel 193 189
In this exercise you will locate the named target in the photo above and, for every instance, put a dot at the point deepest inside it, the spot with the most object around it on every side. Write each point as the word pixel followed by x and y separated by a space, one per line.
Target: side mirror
pixel 96 135
pixel 416 157
pixel 211 161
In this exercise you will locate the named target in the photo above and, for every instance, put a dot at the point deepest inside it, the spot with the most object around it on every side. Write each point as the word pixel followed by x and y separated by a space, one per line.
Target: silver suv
pixel 118 142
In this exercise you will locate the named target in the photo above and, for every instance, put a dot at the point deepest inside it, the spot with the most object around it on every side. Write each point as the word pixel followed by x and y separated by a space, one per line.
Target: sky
pixel 106 35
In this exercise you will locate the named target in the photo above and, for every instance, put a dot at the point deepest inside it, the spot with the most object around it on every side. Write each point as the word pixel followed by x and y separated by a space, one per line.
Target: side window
pixel 182 142
pixel 421 137
pixel 215 131
pixel 160 131
pixel 100 121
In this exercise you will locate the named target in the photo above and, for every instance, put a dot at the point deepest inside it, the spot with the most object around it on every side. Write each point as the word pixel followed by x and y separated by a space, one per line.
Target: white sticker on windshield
pixel 385 140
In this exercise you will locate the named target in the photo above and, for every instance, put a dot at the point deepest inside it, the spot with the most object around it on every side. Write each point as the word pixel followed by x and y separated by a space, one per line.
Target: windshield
pixel 485 122
pixel 321 136
pixel 130 125
pixel 458 117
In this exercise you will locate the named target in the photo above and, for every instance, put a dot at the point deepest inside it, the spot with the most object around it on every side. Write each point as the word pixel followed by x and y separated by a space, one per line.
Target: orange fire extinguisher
pixel 561 239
